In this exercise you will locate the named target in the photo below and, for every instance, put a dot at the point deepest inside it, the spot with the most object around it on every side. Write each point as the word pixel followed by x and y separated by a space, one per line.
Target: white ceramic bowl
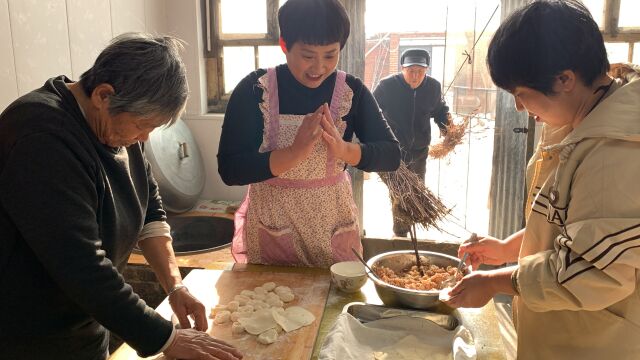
pixel 348 276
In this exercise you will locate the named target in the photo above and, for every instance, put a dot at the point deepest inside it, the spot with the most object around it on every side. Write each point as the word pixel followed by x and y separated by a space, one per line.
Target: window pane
pixel 617 52
pixel 629 13
pixel 384 16
pixel 270 56
pixel 596 7
pixel 636 53
pixel 238 63
pixel 236 19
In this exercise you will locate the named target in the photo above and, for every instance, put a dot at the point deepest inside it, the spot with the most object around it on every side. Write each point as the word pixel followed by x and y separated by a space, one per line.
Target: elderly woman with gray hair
pixel 76 195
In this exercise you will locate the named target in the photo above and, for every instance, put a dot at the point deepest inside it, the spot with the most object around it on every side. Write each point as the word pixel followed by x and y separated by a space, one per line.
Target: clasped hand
pixel 315 126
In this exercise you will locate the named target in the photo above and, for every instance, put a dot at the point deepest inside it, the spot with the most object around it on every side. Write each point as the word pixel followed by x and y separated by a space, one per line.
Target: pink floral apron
pixel 306 216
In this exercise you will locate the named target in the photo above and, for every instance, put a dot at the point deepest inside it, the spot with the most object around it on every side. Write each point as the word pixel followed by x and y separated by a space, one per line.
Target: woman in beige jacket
pixel 579 254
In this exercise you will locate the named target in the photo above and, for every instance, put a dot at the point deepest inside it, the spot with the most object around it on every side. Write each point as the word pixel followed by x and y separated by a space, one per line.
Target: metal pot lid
pixel 177 165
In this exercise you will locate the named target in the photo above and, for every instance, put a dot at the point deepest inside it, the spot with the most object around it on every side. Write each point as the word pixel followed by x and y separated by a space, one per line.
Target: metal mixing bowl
pixel 397 261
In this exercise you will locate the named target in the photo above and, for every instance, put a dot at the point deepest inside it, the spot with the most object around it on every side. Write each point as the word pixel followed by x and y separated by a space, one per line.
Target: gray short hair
pixel 146 72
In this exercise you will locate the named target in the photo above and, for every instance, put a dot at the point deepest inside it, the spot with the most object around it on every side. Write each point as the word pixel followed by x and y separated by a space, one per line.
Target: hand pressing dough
pixel 268 337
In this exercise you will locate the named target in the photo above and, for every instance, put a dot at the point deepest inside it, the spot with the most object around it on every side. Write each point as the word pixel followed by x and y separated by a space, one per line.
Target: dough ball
pixel 268 337
pixel 275 302
pixel 241 299
pixel 233 305
pixel 269 286
pixel 281 289
pixel 272 295
pixel 245 309
pixel 239 315
pixel 260 290
pixel 237 328
pixel 222 317
pixel 287 296
pixel 247 293
pixel 259 297
pixel 215 310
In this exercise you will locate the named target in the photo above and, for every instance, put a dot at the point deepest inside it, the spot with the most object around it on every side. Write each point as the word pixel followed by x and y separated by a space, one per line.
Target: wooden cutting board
pixel 214 287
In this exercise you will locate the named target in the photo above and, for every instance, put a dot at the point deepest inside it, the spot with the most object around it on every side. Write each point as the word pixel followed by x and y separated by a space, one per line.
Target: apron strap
pixel 274 109
pixel 338 90
pixel 336 98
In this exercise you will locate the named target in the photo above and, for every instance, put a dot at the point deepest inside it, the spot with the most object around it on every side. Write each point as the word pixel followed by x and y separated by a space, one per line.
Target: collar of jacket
pixel 616 117
pixel 400 78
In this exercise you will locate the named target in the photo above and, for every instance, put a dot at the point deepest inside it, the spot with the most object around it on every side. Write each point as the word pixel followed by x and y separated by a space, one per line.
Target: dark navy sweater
pixel 71 210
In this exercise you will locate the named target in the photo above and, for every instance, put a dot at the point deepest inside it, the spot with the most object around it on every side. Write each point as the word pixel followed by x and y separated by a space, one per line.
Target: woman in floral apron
pixel 287 132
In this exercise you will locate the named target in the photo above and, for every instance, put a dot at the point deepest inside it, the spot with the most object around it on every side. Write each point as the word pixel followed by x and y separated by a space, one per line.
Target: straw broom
pixel 417 204
pixel 453 138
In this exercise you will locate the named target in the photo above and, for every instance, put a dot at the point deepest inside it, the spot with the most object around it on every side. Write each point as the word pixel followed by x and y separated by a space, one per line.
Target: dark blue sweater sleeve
pixel 239 159
pixel 380 148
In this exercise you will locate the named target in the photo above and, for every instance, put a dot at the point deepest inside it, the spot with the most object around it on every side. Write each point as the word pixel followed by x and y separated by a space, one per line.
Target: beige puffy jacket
pixel 580 257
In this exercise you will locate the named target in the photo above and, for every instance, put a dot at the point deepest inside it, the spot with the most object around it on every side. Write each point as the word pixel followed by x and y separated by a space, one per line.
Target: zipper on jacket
pixel 413 120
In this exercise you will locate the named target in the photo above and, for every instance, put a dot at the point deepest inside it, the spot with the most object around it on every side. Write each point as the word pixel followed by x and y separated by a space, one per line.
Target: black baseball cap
pixel 415 57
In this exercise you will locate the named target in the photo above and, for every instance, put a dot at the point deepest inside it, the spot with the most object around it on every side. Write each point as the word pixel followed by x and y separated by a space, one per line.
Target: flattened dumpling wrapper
pixel 259 322
pixel 293 318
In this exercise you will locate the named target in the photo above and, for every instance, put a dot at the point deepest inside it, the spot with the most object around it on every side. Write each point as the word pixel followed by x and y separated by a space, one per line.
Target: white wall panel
pixel 40 41
pixel 127 16
pixel 206 131
pixel 156 16
pixel 89 32
pixel 183 18
pixel 9 89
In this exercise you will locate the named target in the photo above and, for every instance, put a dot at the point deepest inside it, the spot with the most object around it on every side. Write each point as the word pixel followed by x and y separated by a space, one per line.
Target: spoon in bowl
pixel 364 263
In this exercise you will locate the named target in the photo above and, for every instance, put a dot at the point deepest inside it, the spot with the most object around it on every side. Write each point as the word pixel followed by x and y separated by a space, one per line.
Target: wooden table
pixel 483 322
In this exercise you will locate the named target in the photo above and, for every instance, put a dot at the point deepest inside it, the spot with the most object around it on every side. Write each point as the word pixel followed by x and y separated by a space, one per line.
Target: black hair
pixel 539 41
pixel 313 22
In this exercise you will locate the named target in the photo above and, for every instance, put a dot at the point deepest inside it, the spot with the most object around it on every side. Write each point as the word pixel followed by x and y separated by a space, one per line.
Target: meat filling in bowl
pixel 434 277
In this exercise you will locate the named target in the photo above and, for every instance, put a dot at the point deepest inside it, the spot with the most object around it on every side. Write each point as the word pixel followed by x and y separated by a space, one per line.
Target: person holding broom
pixel 408 101
pixel 288 133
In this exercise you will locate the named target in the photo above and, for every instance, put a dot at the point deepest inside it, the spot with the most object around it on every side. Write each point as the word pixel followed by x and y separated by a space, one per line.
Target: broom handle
pixel 414 241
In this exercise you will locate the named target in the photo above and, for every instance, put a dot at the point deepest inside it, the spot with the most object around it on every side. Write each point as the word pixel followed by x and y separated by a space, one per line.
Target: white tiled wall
pixel 40 39
pixel 9 90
